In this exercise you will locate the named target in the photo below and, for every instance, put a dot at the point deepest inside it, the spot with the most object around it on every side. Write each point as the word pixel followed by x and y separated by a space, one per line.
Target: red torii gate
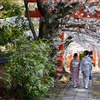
pixel 69 59
pixel 84 14
pixel 80 13
pixel 76 14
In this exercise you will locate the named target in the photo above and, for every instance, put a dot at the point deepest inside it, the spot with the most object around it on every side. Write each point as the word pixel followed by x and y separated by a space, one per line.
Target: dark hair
pixel 86 52
pixel 75 55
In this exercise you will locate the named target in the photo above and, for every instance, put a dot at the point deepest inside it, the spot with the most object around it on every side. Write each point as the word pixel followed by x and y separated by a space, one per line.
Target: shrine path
pixel 70 93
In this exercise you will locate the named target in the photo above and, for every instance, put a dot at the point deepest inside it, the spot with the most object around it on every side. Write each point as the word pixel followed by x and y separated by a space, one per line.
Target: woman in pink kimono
pixel 74 69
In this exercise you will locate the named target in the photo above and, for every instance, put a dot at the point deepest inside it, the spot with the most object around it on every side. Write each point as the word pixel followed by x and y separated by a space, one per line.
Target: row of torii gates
pixel 93 57
pixel 76 14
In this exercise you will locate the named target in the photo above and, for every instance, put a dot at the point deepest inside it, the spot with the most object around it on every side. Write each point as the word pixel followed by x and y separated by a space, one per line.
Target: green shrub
pixel 24 71
pixel 11 9
pixel 81 55
pixel 10 30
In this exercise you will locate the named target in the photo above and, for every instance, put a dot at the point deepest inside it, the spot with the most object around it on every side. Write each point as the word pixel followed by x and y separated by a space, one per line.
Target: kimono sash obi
pixel 86 63
pixel 75 64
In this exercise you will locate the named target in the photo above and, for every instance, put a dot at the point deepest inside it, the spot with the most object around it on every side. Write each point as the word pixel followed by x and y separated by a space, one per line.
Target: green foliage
pixel 12 30
pixel 1 53
pixel 81 55
pixel 23 73
pixel 7 51
pixel 10 9
pixel 4 37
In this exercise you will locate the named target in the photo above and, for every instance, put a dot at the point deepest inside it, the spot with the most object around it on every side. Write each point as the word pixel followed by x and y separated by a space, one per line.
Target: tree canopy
pixel 61 17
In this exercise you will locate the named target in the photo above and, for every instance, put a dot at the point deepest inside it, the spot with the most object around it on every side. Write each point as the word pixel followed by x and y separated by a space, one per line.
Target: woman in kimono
pixel 85 66
pixel 74 69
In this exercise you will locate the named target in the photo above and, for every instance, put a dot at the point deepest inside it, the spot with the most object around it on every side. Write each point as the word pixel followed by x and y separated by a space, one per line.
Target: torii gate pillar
pixel 60 54
pixel 99 58
pixel 69 59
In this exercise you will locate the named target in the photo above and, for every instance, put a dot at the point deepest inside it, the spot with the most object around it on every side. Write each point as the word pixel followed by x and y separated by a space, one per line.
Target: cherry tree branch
pixel 29 19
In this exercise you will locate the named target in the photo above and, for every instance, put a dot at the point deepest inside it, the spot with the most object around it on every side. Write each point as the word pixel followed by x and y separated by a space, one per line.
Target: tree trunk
pixel 29 19
pixel 47 30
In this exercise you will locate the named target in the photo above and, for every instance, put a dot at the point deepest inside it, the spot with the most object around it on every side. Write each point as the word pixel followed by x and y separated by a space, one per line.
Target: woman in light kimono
pixel 85 65
pixel 74 69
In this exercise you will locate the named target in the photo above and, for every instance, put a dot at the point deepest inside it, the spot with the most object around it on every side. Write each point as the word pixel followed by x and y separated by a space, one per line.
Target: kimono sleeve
pixel 81 64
